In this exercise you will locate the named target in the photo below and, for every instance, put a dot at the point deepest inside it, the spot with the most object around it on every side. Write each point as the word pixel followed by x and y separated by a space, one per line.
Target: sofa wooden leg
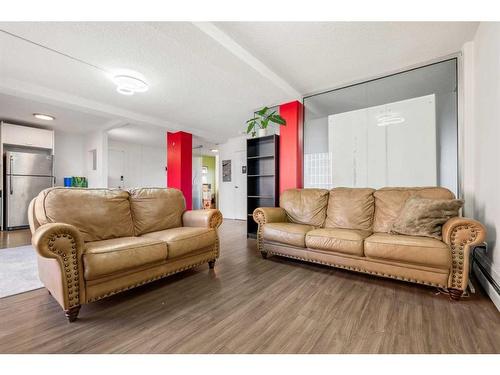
pixel 264 254
pixel 72 313
pixel 455 294
pixel 211 264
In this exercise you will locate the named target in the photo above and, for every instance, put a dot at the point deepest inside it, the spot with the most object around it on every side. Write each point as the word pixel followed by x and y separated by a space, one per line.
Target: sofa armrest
pixel 63 243
pixel 462 234
pixel 202 218
pixel 263 215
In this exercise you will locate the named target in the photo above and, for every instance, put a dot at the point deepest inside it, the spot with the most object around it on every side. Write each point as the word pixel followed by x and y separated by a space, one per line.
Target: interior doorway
pixel 116 165
pixel 204 182
pixel 239 186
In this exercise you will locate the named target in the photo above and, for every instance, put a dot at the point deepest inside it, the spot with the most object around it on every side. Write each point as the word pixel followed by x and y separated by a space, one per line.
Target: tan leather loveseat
pixel 93 243
pixel 350 228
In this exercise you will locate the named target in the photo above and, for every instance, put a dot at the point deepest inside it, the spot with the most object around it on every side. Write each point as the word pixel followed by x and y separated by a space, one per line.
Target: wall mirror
pixel 399 130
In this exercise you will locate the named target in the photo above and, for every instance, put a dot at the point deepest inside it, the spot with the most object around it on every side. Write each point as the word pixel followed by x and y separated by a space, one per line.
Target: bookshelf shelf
pixel 262 176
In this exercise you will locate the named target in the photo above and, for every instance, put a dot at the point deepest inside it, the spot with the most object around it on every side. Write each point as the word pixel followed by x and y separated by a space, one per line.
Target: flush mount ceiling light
pixel 45 117
pixel 129 82
pixel 214 150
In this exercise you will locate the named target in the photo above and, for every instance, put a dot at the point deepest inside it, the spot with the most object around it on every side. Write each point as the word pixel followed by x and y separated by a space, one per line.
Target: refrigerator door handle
pixel 10 176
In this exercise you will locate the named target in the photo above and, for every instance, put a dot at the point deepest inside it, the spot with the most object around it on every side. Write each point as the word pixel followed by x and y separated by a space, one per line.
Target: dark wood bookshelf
pixel 262 177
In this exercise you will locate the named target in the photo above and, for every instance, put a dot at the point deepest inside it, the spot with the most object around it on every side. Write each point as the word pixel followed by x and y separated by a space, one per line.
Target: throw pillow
pixel 425 217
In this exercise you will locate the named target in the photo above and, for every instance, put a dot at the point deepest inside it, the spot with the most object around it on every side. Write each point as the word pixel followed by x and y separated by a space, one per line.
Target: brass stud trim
pixel 212 257
pixel 358 269
pixel 71 273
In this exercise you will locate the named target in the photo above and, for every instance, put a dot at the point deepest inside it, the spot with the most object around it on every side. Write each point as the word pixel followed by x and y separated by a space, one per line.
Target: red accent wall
pixel 180 164
pixel 291 155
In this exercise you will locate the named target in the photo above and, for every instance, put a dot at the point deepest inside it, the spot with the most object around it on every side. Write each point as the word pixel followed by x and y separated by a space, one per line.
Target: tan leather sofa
pixel 93 243
pixel 350 228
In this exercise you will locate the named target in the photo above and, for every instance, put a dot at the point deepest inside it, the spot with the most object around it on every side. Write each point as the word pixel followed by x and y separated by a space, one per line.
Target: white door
pixel 116 178
pixel 240 186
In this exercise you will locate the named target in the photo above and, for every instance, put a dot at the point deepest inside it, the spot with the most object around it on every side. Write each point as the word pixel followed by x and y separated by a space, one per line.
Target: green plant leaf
pixel 264 123
pixel 262 111
pixel 270 116
pixel 252 119
pixel 250 127
pixel 277 119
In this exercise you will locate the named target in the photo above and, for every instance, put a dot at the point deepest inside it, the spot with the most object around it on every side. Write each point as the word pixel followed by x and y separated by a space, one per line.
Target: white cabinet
pixel 26 136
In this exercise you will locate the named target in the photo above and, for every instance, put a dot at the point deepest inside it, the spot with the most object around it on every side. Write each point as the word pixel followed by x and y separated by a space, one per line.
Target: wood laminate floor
pixel 14 238
pixel 251 305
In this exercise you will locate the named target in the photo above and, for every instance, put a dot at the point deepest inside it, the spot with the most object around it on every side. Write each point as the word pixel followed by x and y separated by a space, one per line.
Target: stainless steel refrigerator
pixel 26 175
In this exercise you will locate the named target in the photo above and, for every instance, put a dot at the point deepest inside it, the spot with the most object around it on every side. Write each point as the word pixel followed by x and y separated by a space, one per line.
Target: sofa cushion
pixel 183 240
pixel 347 241
pixel 305 206
pixel 408 249
pixel 286 233
pixel 390 201
pixel 350 208
pixel 155 209
pixel 99 214
pixel 107 257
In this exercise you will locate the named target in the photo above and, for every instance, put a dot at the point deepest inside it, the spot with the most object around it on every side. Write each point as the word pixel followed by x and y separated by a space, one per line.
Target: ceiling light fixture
pixel 129 82
pixel 386 121
pixel 389 118
pixel 42 116
pixel 214 150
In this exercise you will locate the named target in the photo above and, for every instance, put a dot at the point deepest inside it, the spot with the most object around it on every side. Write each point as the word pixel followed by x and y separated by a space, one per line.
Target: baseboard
pixel 481 269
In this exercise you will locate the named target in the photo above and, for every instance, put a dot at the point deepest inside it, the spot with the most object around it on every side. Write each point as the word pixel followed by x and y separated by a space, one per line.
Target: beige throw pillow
pixel 425 217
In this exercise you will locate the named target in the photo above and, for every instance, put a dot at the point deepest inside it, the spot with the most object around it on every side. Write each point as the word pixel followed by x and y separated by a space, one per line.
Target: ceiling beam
pixel 236 49
pixel 114 124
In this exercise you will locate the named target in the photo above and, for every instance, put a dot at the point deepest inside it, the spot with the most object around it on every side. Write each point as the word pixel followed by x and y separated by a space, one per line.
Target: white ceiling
pixel 321 55
pixel 20 110
pixel 204 78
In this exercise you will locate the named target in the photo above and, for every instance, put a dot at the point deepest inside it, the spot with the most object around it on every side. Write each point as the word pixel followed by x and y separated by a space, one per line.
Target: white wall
pixel 69 156
pixel 232 201
pixel 483 175
pixel 142 165
pixel 97 141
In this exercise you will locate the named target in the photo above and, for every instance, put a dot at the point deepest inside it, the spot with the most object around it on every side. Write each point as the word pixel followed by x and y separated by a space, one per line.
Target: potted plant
pixel 261 120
